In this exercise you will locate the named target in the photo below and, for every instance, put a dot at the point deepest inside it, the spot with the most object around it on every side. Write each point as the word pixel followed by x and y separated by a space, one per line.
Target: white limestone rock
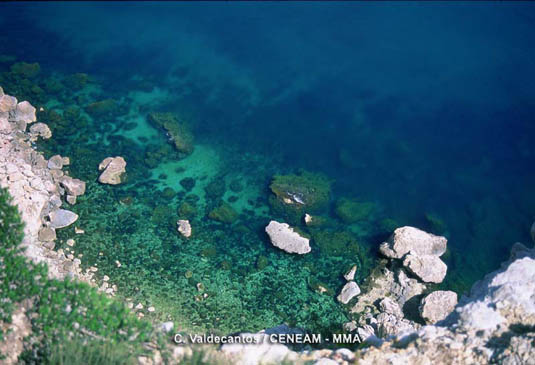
pixel 409 239
pixel 55 162
pixel 428 268
pixel 349 291
pixel 350 275
pixel 285 238
pixel 62 218
pixel 40 130
pixel 114 168
pixel 74 187
pixel 184 227
pixel 437 305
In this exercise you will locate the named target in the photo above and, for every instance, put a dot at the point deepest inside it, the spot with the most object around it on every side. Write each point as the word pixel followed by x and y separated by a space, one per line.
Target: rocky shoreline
pixel 395 312
pixel 37 186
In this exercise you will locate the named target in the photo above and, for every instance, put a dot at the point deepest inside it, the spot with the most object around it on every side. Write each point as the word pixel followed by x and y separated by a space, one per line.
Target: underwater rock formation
pixel 350 211
pixel 285 238
pixel 114 168
pixel 295 194
pixel 437 305
pixel 184 227
pixel 177 130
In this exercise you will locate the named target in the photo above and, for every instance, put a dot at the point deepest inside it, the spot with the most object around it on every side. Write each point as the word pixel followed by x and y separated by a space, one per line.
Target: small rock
pixel 55 162
pixel 167 327
pixel 114 168
pixel 184 227
pixel 62 218
pixel 349 291
pixel 47 234
pixel 71 199
pixel 139 306
pixel 308 219
pixel 74 187
pixel 105 278
pixel 437 305
pixel 151 309
pixel 40 130
pixel 285 238
pixel 78 230
pixel 70 242
pixel 350 275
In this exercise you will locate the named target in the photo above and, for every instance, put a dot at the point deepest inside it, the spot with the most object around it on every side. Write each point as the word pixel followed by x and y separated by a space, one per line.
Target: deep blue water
pixel 422 108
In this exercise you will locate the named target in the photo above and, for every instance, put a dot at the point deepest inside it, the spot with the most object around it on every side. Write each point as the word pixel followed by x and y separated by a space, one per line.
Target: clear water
pixel 425 110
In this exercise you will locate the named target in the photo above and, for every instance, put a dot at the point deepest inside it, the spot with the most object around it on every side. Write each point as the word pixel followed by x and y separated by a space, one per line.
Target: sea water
pixel 422 112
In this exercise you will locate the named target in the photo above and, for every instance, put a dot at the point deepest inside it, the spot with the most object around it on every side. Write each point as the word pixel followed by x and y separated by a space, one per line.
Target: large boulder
pixel 114 168
pixel 413 240
pixel 428 268
pixel 62 218
pixel 285 238
pixel 349 291
pixel 437 305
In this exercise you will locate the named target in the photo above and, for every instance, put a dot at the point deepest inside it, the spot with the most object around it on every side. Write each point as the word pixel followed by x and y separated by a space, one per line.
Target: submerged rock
pixel 409 239
pixel 114 168
pixel 349 291
pixel 184 227
pixel 285 238
pixel 437 305
pixel 62 218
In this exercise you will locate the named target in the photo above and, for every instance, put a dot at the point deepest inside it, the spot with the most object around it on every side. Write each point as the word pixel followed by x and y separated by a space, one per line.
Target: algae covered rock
pixel 102 108
pixel 295 195
pixel 224 213
pixel 26 70
pixel 351 211
pixel 178 131
pixel 285 238
pixel 186 210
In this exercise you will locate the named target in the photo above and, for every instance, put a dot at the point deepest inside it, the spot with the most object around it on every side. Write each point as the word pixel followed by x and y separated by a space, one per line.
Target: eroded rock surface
pixel 114 168
pixel 285 238
pixel 438 305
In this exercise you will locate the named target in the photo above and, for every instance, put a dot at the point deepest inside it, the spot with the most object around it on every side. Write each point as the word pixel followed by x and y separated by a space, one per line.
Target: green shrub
pixel 59 309
pixel 93 352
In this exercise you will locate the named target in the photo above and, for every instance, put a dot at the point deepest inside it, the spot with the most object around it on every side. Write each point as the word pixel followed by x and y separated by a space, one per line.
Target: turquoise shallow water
pixel 421 113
